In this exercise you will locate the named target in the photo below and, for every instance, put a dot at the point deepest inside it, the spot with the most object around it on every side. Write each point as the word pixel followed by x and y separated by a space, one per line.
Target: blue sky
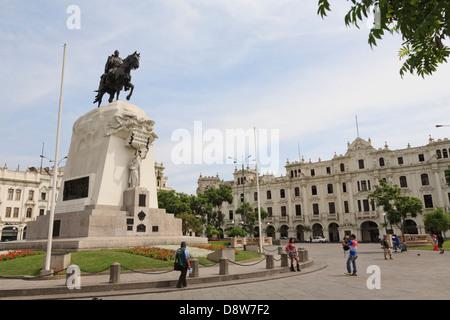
pixel 269 64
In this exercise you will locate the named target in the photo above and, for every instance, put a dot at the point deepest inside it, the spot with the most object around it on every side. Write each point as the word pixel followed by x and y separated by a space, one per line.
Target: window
pixel 403 182
pixel 359 206
pixel 16 213
pixel 342 167
pixel 366 205
pixel 381 161
pixel 346 207
pixel 43 196
pixel 439 154
pixel 344 187
pixel 421 158
pixel 18 194
pixel 315 208
pixel 269 211
pixel 445 153
pixel 282 194
pixel 363 185
pixel 313 172
pixel 297 191
pixel 328 170
pixel 242 197
pixel 428 200
pixel 298 210
pixel 400 160
pixel 29 212
pixel 314 190
pixel 230 214
pixel 31 195
pixel 330 188
pixel 10 194
pixel 424 179
pixel 41 212
pixel 283 211
pixel 8 212
pixel 361 163
pixel 255 196
pixel 269 195
pixel 332 207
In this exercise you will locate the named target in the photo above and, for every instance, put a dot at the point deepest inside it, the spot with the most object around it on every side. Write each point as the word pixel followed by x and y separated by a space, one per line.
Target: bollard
pixel 194 266
pixel 223 270
pixel 280 250
pixel 270 264
pixel 284 260
pixel 114 273
pixel 303 255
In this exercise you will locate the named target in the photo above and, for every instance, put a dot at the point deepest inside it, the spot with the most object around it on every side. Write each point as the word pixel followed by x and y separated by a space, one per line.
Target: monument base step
pixel 83 244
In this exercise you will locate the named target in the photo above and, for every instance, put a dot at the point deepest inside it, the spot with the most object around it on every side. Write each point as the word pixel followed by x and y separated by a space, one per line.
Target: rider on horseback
pixel 112 64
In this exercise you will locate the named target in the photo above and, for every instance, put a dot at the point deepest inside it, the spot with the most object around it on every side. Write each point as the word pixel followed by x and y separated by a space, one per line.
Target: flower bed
pixel 155 253
pixel 167 252
pixel 16 254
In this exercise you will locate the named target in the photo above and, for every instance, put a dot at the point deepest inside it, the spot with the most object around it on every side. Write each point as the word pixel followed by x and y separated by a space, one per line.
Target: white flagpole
pixel 257 190
pixel 55 174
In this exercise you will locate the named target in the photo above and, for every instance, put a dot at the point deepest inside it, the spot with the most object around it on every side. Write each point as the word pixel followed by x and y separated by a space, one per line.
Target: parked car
pixel 317 239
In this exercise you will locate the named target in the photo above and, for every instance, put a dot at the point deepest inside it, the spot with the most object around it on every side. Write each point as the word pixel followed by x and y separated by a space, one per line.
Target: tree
pixel 423 25
pixel 396 206
pixel 189 208
pixel 216 197
pixel 236 232
pixel 190 222
pixel 251 216
pixel 437 220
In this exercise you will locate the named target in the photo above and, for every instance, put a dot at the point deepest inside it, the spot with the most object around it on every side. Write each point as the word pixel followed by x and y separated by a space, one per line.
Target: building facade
pixel 24 195
pixel 331 198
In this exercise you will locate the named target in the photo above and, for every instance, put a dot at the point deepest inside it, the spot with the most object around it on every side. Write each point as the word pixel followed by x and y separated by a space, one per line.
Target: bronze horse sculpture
pixel 117 77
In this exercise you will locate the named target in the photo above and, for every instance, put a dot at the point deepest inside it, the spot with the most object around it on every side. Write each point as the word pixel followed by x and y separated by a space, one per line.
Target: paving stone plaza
pixel 411 275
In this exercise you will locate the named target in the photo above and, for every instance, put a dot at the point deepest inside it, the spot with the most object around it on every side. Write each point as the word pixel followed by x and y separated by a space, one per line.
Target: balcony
pixel 367 214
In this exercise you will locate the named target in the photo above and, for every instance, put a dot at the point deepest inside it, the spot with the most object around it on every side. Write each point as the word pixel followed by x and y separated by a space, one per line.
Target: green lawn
pixel 94 261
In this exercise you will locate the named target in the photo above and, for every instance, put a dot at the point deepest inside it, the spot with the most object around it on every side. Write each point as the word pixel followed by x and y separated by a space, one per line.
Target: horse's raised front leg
pixel 131 92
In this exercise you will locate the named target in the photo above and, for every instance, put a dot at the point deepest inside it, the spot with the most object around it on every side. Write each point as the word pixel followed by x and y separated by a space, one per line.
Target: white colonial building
pixel 330 198
pixel 24 195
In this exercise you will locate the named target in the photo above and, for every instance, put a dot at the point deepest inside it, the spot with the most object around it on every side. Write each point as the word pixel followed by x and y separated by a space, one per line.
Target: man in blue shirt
pixel 182 256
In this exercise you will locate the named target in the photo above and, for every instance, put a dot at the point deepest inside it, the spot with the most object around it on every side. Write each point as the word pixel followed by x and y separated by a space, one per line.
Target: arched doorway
pixel 9 233
pixel 284 231
pixel 270 231
pixel 317 230
pixel 300 233
pixel 333 232
pixel 410 227
pixel 369 231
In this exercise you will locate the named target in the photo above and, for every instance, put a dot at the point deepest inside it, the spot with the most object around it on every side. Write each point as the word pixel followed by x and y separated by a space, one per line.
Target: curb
pixel 63 292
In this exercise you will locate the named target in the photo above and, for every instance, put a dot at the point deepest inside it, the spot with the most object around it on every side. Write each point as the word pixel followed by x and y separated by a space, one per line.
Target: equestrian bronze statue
pixel 117 76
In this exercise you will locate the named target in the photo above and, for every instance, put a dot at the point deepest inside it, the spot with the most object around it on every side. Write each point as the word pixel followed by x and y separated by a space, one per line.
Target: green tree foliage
pixel 423 25
pixel 396 206
pixel 437 220
pixel 236 232
pixel 190 208
pixel 215 197
pixel 250 216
